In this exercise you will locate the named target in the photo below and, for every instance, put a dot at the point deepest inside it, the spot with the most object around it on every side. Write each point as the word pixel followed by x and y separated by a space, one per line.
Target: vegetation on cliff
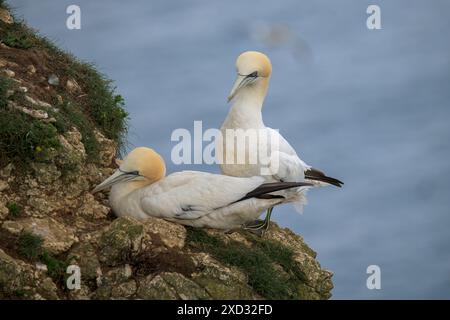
pixel 64 92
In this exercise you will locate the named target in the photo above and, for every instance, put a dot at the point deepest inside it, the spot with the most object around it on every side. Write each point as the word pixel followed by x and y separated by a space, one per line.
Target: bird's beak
pixel 116 177
pixel 241 81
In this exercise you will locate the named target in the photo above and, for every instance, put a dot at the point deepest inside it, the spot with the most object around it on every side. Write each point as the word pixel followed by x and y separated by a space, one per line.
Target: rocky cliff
pixel 61 125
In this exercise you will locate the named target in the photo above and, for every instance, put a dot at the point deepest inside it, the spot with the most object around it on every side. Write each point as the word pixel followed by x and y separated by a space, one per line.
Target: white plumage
pixel 289 167
pixel 139 189
pixel 248 94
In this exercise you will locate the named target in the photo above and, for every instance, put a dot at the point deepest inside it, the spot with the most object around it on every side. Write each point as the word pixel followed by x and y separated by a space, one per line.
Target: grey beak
pixel 116 177
pixel 241 81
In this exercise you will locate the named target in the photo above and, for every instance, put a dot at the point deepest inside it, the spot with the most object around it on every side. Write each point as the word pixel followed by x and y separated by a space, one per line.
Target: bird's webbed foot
pixel 257 227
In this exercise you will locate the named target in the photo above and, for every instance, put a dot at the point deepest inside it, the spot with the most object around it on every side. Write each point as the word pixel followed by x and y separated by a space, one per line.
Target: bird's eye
pixel 253 74
pixel 133 173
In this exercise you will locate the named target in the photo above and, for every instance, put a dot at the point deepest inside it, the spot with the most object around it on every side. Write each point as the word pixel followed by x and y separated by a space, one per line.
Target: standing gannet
pixel 140 189
pixel 248 93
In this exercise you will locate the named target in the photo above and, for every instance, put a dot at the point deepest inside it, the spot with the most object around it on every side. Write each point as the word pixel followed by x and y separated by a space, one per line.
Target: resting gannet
pixel 140 189
pixel 248 93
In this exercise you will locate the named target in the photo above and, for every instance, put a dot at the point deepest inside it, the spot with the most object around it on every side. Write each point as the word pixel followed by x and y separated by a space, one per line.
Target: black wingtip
pixel 262 191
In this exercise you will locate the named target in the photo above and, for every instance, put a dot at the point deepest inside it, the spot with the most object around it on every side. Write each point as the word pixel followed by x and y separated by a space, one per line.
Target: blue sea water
pixel 370 107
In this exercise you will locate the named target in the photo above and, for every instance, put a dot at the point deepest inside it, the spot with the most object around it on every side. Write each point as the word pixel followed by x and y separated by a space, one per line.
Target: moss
pixel 120 241
pixel 223 288
pixel 199 236
pixel 30 245
pixel 15 210
pixel 281 255
pixel 261 263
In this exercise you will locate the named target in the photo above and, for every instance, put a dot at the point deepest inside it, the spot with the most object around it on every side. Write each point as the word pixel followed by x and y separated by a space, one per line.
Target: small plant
pixel 56 268
pixel 71 114
pixel 15 210
pixel 23 139
pixel 69 169
pixel 17 40
pixel 281 255
pixel 5 85
pixel 20 293
pixel 30 245
pixel 101 103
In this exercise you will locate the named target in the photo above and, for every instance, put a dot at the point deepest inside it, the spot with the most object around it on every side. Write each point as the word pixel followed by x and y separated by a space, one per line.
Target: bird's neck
pixel 246 110
pixel 121 191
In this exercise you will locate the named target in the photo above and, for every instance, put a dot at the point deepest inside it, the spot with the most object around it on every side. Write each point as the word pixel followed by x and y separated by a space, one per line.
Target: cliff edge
pixel 61 125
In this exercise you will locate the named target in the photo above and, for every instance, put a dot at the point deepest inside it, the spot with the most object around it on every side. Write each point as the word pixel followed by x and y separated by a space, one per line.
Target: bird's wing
pixel 285 163
pixel 191 195
pixel 286 167
pixel 292 168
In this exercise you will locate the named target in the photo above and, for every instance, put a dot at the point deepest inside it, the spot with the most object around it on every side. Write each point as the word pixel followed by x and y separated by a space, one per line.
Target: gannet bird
pixel 140 189
pixel 248 93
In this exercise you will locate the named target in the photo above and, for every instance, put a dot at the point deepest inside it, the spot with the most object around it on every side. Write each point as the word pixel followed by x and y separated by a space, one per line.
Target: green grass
pixel 30 245
pixel 24 139
pixel 56 268
pixel 257 262
pixel 5 85
pixel 15 210
pixel 17 39
pixel 70 114
pixel 69 170
pixel 98 105
pixel 100 102
pixel 281 255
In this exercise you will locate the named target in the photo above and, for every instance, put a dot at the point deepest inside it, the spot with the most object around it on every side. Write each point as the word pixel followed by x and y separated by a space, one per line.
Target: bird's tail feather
pixel 300 200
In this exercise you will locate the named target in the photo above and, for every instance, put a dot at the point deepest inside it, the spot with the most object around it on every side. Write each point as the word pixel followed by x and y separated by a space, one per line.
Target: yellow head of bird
pixel 253 61
pixel 142 166
pixel 147 162
pixel 253 70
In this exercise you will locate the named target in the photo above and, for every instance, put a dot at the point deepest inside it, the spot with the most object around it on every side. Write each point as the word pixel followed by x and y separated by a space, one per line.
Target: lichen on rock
pixel 121 241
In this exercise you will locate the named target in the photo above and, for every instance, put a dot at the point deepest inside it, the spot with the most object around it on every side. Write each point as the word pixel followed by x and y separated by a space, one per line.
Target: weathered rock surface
pixel 57 237
pixel 5 16
pixel 19 280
